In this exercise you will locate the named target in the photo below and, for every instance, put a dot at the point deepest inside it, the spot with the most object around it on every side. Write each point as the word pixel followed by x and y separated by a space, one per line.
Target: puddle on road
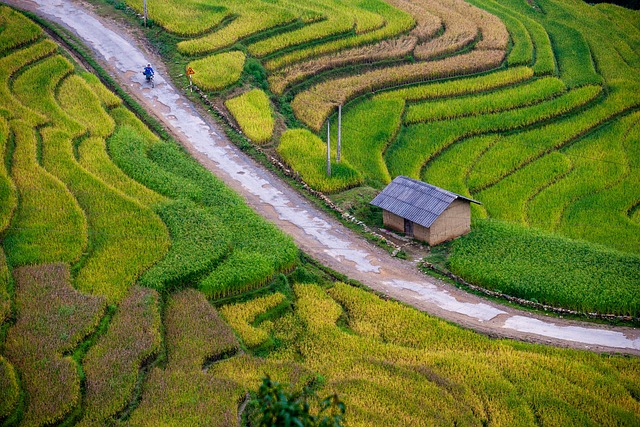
pixel 443 299
pixel 590 336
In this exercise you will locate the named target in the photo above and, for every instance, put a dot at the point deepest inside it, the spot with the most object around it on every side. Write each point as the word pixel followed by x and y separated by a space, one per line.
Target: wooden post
pixel 145 13
pixel 339 132
pixel 328 148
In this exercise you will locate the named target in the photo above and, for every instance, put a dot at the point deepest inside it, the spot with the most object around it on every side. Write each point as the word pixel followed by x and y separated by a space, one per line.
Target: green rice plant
pixel 258 249
pixel 111 366
pixel 242 315
pixel 547 268
pixel 515 150
pixel 362 17
pixel 508 98
pixel 313 106
pixel 125 118
pixel 17 30
pixel 8 197
pixel 367 129
pixel 595 167
pixel 252 110
pixel 613 205
pixel 108 98
pixel 336 22
pixel 48 224
pixel 460 86
pixel 507 200
pixel 253 17
pixel 450 168
pixel 175 397
pixel 573 55
pixel 307 154
pixel 93 156
pixel 125 237
pixel 9 389
pixel 397 22
pixel 52 319
pixel 216 72
pixel 9 65
pixel 417 144
pixel 127 148
pixel 79 101
pixel 36 87
pixel 198 243
pixel 187 18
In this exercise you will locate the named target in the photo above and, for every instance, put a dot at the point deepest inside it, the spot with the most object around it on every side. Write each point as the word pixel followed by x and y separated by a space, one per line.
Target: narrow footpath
pixel 317 234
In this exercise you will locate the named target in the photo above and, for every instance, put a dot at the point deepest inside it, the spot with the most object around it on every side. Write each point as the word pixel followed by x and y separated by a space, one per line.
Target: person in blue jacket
pixel 148 72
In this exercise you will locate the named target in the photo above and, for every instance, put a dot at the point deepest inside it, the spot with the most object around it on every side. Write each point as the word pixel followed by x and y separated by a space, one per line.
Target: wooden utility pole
pixel 328 148
pixel 339 132
pixel 145 13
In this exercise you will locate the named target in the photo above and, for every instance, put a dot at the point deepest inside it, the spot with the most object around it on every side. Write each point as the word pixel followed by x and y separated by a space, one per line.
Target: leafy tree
pixel 277 407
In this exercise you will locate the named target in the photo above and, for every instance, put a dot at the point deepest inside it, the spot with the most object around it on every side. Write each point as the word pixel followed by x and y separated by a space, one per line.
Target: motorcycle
pixel 149 78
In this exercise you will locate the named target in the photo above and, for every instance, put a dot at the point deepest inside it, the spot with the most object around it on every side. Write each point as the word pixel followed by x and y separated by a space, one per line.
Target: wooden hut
pixel 424 211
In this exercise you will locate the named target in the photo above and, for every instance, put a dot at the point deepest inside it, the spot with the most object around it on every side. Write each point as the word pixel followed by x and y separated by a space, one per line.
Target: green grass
pixel 216 72
pixel 252 110
pixel 548 269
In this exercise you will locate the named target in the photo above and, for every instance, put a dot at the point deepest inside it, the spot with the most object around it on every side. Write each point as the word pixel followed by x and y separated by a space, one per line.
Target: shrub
pixel 216 72
pixel 252 111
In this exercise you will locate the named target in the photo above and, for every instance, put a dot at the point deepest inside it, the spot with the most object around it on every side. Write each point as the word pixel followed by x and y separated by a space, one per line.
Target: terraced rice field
pixel 116 247
pixel 529 107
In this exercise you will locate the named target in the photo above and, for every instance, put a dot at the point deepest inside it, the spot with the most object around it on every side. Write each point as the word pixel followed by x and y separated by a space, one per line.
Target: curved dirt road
pixel 315 233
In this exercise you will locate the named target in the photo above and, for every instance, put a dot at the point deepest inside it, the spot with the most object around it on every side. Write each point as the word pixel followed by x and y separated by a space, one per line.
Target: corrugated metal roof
pixel 416 201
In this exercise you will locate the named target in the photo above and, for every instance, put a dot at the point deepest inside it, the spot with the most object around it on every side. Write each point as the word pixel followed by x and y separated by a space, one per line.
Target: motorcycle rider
pixel 148 72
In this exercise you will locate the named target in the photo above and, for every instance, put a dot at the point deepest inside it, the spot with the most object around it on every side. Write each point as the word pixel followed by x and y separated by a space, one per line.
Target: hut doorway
pixel 408 227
